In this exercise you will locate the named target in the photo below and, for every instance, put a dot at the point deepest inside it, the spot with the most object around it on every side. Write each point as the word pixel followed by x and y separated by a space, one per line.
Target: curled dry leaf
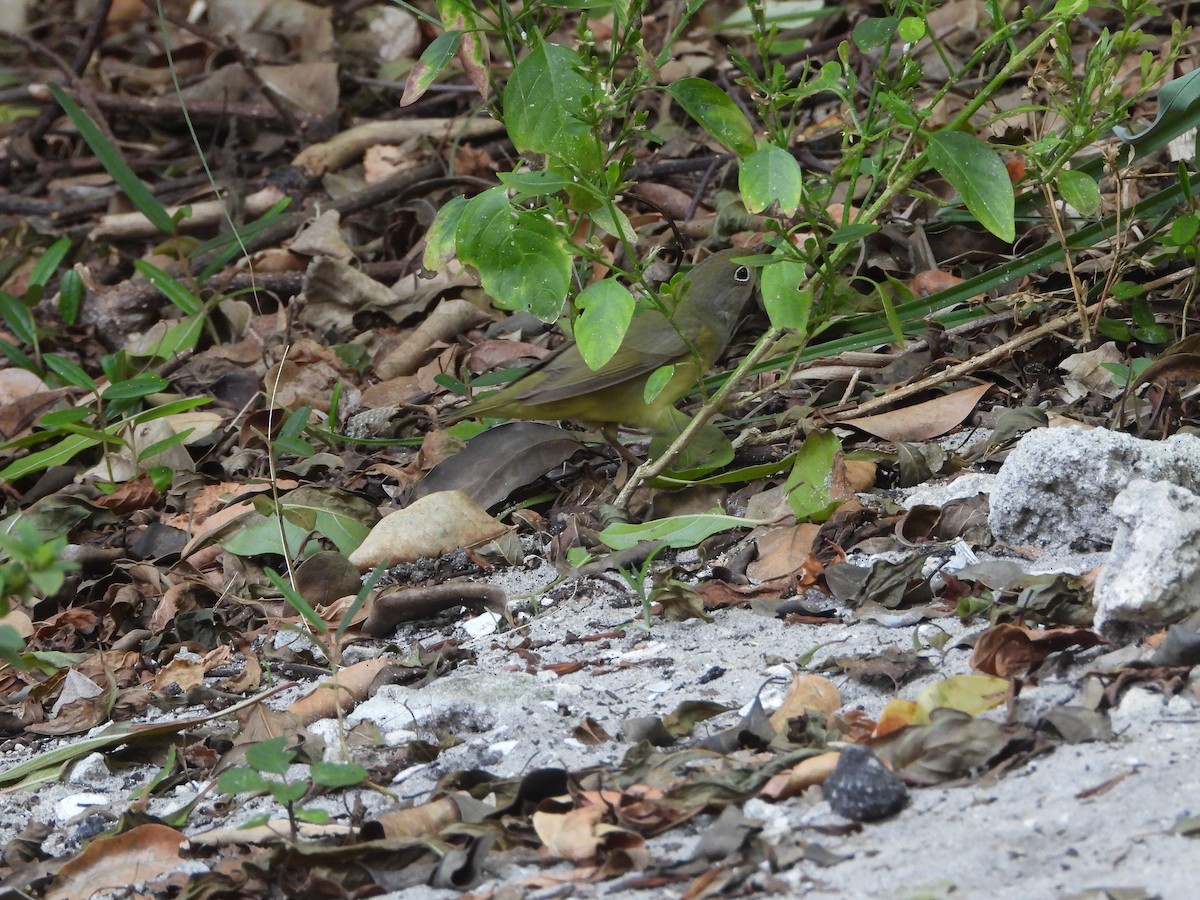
pixel 436 524
pixel 806 693
pixel 139 855
pixel 924 420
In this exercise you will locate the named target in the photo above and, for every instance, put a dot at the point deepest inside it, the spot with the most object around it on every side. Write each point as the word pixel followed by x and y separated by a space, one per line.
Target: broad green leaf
pixel 545 105
pixel 810 480
pixel 523 185
pixel 678 532
pixel 607 308
pixel 521 257
pixel 658 380
pixel 871 34
pixel 337 775
pixel 786 303
pixel 716 112
pixel 1081 191
pixel 433 61
pixel 108 155
pixel 240 780
pixel 976 171
pixel 912 29
pixel 771 175
pixel 271 755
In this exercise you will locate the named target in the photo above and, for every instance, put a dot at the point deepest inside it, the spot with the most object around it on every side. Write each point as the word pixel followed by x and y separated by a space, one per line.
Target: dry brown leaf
pixel 799 777
pixel 1006 649
pixel 782 551
pixel 923 421
pixel 139 855
pixel 806 693
pixel 431 526
pixel 419 821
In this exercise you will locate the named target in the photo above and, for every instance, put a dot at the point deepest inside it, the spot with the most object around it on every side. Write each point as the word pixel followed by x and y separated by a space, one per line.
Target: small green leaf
pixel 787 305
pixel 313 816
pixel 607 309
pixel 911 29
pixel 871 34
pixel 440 238
pixel 70 296
pixel 809 482
pixel 1081 191
pixel 432 63
pixel 771 175
pixel 108 155
pixel 49 262
pixel 1127 290
pixel 716 112
pixel 976 171
pixel 678 532
pixel 240 781
pixel 1184 230
pixel 169 287
pixel 337 775
pixel 69 372
pixel 18 317
pixel 288 791
pixel 136 388
pixel 271 755
pixel 658 380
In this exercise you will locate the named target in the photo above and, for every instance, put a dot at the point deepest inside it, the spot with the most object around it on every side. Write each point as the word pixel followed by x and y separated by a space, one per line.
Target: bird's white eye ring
pixel 741 274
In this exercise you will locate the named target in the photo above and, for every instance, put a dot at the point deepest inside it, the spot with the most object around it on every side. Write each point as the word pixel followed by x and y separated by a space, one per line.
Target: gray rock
pixel 1152 577
pixel 1057 486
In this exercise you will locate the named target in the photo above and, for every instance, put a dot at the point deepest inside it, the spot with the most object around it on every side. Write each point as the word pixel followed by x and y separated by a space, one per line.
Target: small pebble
pixel 863 788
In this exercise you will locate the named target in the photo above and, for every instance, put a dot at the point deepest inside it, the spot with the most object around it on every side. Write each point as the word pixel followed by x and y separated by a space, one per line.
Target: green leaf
pixel 524 185
pixel 607 309
pixel 976 171
pixel 658 380
pixel 678 532
pixel 135 189
pixel 136 388
pixel 271 755
pixel 716 112
pixel 871 34
pixel 337 775
pixel 912 29
pixel 49 262
pixel 1178 112
pixel 546 103
pixel 521 257
pixel 69 372
pixel 240 781
pixel 313 816
pixel 808 483
pixel 1081 191
pixel 18 318
pixel 59 454
pixel 288 791
pixel 432 63
pixel 786 304
pixel 70 296
pixel 169 287
pixel 440 245
pixel 771 175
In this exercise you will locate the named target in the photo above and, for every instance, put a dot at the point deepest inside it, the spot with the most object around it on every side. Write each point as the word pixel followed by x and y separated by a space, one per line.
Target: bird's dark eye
pixel 741 274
